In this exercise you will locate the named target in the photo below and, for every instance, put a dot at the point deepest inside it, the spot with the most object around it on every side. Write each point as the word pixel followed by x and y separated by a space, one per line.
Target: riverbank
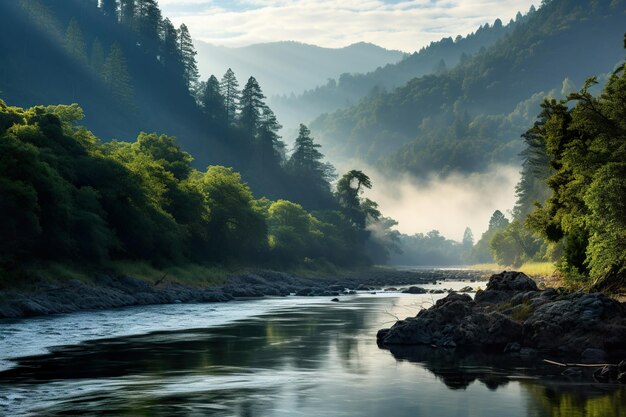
pixel 104 291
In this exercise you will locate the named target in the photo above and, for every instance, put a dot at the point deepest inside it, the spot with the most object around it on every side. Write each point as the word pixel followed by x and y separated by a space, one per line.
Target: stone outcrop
pixel 513 315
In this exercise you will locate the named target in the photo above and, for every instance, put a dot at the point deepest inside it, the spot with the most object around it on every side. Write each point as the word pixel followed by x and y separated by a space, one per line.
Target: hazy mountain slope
pixel 36 68
pixel 290 67
pixel 455 120
pixel 348 89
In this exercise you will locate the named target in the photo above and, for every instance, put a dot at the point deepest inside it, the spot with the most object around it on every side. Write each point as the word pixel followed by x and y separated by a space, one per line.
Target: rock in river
pixel 513 312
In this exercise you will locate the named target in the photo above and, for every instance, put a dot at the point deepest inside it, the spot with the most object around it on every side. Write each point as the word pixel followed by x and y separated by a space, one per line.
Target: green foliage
pixel 583 146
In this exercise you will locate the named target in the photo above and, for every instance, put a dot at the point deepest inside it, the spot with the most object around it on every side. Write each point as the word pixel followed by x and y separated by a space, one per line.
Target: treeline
pixel 572 196
pixel 68 197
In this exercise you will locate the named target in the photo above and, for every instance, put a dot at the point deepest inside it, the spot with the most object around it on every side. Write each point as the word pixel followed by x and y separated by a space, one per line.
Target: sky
pixel 393 24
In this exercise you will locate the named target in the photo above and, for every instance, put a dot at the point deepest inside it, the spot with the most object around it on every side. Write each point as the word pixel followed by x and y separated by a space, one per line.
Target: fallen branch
pixel 581 365
pixel 160 280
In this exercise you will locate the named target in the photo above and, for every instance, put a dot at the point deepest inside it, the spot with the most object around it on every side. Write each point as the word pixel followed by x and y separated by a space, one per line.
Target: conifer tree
pixel 229 87
pixel 74 41
pixel 147 22
pixel 306 160
pixel 250 106
pixel 127 12
pixel 188 56
pixel 271 147
pixel 116 76
pixel 97 56
pixel 212 101
pixel 170 55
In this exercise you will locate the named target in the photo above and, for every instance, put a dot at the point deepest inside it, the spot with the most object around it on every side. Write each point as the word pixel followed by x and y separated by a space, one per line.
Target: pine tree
pixel 188 56
pixel 170 55
pixel 115 75
pixel 306 160
pixel 271 147
pixel 250 106
pixel 109 8
pixel 147 22
pixel 212 101
pixel 74 41
pixel 229 87
pixel 127 12
pixel 97 56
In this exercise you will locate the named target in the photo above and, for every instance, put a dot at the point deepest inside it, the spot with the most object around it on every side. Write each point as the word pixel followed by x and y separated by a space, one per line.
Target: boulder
pixel 414 290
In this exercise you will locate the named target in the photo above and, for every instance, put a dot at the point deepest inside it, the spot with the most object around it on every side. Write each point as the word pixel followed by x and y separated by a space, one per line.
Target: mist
pixel 448 205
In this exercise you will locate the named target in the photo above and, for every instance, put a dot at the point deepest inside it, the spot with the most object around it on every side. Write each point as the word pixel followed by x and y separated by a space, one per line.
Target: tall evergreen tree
pixel 250 106
pixel 116 76
pixel 212 101
pixel 188 56
pixel 109 8
pixel 306 160
pixel 127 12
pixel 229 87
pixel 170 55
pixel 97 56
pixel 75 42
pixel 271 147
pixel 147 21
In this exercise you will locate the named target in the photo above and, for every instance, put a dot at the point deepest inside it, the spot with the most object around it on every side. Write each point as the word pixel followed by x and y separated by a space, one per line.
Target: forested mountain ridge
pixel 292 67
pixel 348 88
pixel 132 71
pixel 456 120
pixel 56 52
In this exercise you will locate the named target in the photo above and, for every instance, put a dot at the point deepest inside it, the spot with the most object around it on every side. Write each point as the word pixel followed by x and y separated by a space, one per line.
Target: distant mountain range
pixel 347 89
pixel 289 67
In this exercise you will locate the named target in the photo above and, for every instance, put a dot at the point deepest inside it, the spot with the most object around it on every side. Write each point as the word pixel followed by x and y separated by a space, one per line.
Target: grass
pixel 32 275
pixel 189 274
pixel 532 269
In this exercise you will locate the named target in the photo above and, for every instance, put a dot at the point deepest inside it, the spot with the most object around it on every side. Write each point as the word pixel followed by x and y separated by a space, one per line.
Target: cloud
pixel 403 25
pixel 448 205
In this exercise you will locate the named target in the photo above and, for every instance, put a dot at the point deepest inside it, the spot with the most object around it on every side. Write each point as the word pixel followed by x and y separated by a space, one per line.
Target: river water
pixel 270 357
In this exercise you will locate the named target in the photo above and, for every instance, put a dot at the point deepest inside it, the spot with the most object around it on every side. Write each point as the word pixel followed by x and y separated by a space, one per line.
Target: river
pixel 270 357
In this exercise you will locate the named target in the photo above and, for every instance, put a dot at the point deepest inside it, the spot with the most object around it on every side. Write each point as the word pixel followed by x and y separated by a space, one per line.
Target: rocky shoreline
pixel 112 291
pixel 513 317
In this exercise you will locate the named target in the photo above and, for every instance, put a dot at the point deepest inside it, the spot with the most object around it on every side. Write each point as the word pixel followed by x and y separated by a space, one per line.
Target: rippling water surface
pixel 272 357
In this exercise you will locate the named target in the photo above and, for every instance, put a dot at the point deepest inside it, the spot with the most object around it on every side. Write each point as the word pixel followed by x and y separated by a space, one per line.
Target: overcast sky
pixel 393 24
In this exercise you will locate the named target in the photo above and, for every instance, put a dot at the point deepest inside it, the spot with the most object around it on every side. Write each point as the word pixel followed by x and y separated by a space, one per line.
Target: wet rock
pixel 512 315
pixel 592 355
pixel 575 373
pixel 414 290
pixel 391 289
pixel 466 289
pixel 335 300
pixel 606 373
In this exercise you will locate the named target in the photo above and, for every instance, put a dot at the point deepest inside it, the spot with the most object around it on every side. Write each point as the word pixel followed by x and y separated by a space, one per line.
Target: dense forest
pixel 571 198
pixel 472 115
pixel 66 196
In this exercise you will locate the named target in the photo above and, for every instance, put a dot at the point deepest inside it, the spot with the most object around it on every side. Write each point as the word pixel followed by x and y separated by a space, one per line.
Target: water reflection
pixel 299 360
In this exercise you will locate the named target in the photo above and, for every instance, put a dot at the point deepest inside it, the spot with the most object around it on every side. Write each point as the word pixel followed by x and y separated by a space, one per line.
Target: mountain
pixel 468 117
pixel 291 67
pixel 347 89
